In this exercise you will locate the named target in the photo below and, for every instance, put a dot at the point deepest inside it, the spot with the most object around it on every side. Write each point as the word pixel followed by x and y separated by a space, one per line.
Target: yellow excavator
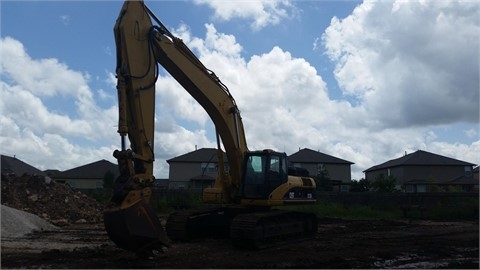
pixel 249 183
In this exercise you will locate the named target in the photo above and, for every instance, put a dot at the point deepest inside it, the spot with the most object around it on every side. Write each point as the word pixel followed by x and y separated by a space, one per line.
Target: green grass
pixel 337 210
pixel 176 201
pixel 461 209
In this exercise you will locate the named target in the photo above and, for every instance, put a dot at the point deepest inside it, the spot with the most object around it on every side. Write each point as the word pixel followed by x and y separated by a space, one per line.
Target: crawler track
pixel 251 230
pixel 267 229
pixel 194 224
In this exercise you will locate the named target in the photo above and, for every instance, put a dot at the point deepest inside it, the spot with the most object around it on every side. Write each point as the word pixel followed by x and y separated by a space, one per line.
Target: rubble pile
pixel 55 202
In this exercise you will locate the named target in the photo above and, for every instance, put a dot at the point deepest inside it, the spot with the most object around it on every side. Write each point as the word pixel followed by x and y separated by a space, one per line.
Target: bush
pixel 167 202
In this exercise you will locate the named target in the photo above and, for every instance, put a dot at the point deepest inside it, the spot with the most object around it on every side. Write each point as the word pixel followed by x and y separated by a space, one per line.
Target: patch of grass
pixel 337 210
pixel 451 209
pixel 176 201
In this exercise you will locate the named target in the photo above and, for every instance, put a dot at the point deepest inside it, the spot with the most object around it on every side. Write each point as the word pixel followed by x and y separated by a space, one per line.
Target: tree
pixel 108 179
pixel 361 185
pixel 384 184
pixel 323 181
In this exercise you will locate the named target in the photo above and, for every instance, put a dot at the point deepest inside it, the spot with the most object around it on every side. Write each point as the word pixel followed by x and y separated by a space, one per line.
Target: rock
pixel 81 221
pixel 48 180
pixel 61 222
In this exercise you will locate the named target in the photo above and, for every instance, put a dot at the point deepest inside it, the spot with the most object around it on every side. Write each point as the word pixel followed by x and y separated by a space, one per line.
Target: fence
pixel 398 199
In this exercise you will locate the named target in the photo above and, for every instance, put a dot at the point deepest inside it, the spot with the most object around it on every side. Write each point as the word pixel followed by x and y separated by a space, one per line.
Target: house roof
pixel 94 170
pixel 306 155
pixel 200 155
pixel 420 158
pixel 462 180
pixel 14 165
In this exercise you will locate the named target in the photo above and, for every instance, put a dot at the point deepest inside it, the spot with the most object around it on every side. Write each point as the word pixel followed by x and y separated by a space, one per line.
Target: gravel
pixel 17 223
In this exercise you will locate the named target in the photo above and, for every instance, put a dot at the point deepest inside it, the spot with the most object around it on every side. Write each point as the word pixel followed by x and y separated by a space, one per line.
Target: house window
pixel 468 171
pixel 72 184
pixel 421 188
pixel 409 188
pixel 210 168
pixel 320 168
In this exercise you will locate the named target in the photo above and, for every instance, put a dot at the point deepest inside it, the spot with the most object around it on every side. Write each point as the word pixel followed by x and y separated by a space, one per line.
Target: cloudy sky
pixel 362 81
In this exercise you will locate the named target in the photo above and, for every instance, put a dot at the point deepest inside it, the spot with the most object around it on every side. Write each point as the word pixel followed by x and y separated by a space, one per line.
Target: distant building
pixel 13 165
pixel 160 184
pixel 195 170
pixel 89 176
pixel 336 170
pixel 422 171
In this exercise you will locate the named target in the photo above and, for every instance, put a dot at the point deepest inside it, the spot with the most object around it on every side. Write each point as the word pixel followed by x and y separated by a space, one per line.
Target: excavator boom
pixel 254 181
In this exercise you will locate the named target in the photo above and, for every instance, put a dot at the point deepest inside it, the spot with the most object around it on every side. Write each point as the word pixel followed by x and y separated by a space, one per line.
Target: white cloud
pixel 33 94
pixel 409 63
pixel 27 109
pixel 471 133
pixel 65 19
pixel 465 152
pixel 44 77
pixel 283 100
pixel 262 12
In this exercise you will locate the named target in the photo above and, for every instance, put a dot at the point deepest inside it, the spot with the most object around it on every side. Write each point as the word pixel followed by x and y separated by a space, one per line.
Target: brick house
pixel 337 170
pixel 423 171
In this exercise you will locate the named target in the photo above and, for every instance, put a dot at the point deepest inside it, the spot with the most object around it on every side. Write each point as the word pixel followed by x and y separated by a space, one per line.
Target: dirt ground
pixel 338 244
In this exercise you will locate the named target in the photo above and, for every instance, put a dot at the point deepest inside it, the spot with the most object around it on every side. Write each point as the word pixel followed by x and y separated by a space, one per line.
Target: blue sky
pixel 362 81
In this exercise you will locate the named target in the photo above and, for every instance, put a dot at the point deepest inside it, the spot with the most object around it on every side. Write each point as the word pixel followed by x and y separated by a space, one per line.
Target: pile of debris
pixel 55 202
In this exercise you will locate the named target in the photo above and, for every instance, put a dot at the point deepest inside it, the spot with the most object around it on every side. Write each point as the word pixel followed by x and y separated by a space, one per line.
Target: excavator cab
pixel 264 171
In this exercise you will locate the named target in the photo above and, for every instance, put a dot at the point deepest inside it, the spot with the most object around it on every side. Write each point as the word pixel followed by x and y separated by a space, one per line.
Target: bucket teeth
pixel 136 229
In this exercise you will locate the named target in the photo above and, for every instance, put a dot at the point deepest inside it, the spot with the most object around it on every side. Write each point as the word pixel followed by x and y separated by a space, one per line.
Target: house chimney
pixel 195 147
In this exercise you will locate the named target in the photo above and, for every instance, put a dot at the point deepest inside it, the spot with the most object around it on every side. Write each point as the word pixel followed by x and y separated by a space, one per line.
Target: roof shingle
pixel 420 158
pixel 94 170
pixel 310 156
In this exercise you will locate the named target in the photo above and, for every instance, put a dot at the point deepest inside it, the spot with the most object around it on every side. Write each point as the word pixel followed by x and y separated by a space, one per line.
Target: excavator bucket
pixel 136 229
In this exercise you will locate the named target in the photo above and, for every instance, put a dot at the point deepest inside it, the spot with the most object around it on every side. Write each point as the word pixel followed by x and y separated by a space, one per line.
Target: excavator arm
pixel 129 219
pixel 255 180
